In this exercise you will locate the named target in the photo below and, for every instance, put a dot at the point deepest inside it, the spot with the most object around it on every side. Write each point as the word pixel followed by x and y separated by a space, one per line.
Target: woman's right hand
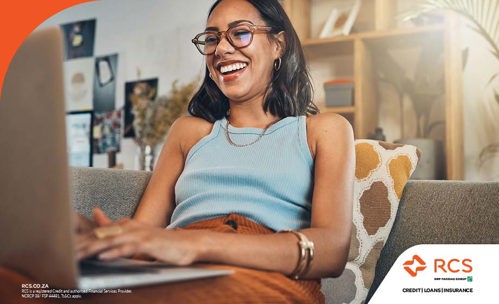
pixel 130 238
pixel 84 225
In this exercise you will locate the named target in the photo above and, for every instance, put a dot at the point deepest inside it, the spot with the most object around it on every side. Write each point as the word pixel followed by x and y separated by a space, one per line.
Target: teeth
pixel 232 67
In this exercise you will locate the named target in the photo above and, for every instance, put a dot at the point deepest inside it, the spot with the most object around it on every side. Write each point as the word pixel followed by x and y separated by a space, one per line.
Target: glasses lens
pixel 240 35
pixel 207 42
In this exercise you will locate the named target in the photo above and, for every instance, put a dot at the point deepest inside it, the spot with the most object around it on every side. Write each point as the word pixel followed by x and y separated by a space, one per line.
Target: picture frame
pixel 107 132
pixel 79 38
pixel 78 84
pixel 79 133
pixel 104 70
pixel 341 20
pixel 104 87
pixel 137 91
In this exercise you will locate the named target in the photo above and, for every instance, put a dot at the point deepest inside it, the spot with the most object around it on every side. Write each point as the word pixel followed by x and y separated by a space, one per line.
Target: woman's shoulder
pixel 326 123
pixel 192 123
pixel 327 128
pixel 188 130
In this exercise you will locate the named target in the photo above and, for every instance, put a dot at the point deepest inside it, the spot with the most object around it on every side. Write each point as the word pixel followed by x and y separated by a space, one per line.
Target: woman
pixel 254 160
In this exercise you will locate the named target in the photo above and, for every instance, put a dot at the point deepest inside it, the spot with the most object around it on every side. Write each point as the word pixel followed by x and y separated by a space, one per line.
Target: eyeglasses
pixel 239 35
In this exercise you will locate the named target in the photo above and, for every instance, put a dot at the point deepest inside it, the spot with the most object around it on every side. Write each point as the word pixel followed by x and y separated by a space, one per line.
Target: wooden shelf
pixel 322 41
pixel 392 36
pixel 355 56
pixel 335 46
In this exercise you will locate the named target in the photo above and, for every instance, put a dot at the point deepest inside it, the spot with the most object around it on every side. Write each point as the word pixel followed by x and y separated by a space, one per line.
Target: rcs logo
pixel 411 271
pixel 439 265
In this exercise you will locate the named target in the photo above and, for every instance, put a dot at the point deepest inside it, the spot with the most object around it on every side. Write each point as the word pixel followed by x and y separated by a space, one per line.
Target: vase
pixel 146 157
pixel 432 162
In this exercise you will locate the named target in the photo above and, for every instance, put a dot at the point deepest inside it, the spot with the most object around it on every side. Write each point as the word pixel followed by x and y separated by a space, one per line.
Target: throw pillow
pixel 381 173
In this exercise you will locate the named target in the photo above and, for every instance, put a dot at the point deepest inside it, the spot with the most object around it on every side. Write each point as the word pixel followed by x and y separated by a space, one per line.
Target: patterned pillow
pixel 381 173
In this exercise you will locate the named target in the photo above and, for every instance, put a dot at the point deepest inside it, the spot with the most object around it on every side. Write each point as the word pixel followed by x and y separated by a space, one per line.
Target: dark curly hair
pixel 290 91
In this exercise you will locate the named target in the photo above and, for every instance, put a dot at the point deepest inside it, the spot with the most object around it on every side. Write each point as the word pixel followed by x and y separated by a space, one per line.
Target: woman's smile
pixel 231 70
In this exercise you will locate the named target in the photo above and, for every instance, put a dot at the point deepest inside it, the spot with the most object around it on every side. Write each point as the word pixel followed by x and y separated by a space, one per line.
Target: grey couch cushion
pixel 117 192
pixel 441 212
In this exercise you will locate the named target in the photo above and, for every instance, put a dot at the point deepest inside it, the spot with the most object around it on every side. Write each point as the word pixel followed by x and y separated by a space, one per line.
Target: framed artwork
pixel 105 83
pixel 341 19
pixel 79 128
pixel 78 84
pixel 107 132
pixel 79 38
pixel 137 92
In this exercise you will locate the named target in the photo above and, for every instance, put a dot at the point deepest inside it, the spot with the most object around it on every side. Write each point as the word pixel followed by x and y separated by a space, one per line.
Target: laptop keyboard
pixel 93 267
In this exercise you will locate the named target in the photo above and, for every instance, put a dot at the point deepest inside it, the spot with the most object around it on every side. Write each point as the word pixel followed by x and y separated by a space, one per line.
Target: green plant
pixel 483 17
pixel 423 89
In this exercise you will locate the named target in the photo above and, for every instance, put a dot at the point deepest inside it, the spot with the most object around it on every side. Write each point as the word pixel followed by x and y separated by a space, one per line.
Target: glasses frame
pixel 253 29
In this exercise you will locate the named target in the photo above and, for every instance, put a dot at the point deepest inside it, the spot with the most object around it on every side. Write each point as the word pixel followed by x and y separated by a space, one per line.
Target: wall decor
pixel 104 88
pixel 79 138
pixel 78 84
pixel 137 92
pixel 79 38
pixel 340 20
pixel 107 132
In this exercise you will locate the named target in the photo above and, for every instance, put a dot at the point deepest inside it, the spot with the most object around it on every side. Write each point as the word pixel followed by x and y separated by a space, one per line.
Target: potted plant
pixel 423 90
pixel 153 118
pixel 482 17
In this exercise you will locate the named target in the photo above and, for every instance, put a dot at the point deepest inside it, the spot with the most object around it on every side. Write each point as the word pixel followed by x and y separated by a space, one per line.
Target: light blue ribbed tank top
pixel 269 182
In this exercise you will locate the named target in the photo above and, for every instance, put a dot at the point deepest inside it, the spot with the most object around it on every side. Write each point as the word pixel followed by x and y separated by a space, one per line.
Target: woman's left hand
pixel 130 238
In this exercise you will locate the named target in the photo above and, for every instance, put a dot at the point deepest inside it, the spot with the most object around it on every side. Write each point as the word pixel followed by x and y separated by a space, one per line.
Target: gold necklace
pixel 250 143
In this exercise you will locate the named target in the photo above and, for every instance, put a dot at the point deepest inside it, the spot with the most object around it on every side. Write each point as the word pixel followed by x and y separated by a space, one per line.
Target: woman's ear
pixel 280 45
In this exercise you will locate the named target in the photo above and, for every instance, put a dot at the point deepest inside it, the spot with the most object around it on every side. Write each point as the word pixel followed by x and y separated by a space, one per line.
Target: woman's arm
pixel 331 143
pixel 333 190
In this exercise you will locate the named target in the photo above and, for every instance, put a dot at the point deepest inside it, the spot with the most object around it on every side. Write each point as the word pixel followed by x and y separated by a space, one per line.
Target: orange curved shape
pixel 18 19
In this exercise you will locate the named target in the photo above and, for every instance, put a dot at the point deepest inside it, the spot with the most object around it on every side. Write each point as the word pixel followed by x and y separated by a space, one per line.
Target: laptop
pixel 36 235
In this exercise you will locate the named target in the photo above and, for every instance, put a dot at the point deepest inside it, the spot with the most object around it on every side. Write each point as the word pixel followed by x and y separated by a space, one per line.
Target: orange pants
pixel 244 286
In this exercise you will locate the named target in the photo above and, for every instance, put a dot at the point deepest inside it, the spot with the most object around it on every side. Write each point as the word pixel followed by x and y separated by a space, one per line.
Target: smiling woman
pixel 252 160
pixel 269 30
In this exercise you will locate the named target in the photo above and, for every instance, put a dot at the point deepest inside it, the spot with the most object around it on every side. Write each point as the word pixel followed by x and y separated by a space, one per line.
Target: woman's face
pixel 251 67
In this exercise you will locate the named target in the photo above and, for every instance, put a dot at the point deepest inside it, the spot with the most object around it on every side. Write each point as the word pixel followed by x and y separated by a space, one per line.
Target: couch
pixel 429 212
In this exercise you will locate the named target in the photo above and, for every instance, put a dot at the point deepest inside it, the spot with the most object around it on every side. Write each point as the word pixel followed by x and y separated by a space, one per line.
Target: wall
pixel 153 35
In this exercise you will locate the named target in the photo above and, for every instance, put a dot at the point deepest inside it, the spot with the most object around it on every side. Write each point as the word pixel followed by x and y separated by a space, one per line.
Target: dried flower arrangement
pixel 153 118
